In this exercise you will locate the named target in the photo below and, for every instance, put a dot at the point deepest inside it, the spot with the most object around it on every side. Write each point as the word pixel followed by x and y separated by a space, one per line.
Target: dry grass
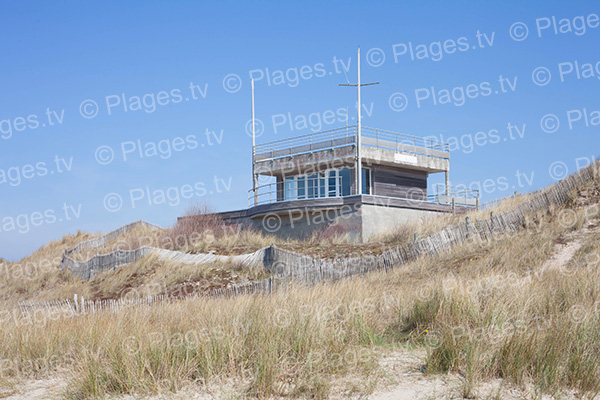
pixel 203 231
pixel 200 230
pixel 483 310
pixel 136 238
pixel 37 272
pixel 147 277
pixel 406 232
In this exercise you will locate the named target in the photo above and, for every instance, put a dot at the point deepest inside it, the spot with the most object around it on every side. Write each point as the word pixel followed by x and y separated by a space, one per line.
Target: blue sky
pixel 137 60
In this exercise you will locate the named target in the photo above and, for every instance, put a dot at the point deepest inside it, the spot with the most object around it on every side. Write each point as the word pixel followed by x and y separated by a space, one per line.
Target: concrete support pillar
pixel 447 173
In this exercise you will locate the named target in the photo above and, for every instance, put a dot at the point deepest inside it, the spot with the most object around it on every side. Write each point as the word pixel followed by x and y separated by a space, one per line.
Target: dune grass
pixel 483 310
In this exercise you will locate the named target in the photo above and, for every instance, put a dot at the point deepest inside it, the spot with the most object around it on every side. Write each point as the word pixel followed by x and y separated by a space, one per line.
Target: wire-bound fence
pixel 288 266
pixel 100 242
pixel 101 262
pixel 313 270
pixel 87 269
pixel 81 306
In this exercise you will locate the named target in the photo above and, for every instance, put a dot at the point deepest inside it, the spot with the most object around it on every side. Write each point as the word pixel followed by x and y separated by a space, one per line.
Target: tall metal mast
pixel 254 178
pixel 358 168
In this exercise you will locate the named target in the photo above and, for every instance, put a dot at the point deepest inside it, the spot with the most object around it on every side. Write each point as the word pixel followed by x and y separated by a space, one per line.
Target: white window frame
pixel 301 182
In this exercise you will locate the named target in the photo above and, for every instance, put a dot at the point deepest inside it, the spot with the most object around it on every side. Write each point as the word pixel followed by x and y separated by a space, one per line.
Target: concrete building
pixel 315 184
pixel 356 179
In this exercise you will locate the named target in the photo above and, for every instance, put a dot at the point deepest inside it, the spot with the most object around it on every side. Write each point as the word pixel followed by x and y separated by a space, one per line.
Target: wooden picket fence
pixel 87 269
pixel 101 262
pixel 289 267
pixel 100 242
pixel 82 306
pixel 313 270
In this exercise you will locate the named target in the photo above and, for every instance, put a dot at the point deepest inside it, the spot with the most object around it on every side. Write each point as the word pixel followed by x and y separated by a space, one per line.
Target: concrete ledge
pixel 362 216
pixel 338 202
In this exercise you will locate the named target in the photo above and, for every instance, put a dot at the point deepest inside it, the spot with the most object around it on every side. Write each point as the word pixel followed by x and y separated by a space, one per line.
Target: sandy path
pixel 43 389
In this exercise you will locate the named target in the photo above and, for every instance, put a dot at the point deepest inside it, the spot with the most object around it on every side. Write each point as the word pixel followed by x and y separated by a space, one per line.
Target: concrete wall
pixel 374 156
pixel 361 221
pixel 380 219
pixel 300 223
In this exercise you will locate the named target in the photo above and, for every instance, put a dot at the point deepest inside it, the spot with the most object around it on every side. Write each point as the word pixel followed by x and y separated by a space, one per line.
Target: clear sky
pixel 113 100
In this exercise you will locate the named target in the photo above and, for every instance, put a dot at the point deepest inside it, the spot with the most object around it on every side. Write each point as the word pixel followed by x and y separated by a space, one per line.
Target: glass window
pixel 331 183
pixel 301 181
pixel 322 186
pixel 290 188
pixel 312 186
pixel 366 181
pixel 332 186
pixel 344 173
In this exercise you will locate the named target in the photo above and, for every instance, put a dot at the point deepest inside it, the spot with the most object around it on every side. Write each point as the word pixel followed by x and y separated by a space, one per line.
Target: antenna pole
pixel 254 180
pixel 358 138
pixel 358 166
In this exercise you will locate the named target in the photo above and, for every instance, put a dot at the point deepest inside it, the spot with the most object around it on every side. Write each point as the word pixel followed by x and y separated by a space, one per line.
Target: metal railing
pixel 404 143
pixel 312 188
pixel 459 196
pixel 343 137
pixel 331 139
pixel 320 188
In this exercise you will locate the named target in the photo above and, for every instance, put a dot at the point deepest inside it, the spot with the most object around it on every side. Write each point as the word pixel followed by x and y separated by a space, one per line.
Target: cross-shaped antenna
pixel 358 170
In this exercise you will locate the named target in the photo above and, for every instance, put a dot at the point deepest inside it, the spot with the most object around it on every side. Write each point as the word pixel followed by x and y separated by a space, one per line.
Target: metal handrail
pixel 318 141
pixel 310 138
pixel 458 195
pixel 275 192
pixel 458 190
pixel 404 138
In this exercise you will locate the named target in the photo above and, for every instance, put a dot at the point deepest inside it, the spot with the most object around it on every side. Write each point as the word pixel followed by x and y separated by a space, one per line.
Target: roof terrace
pixel 346 137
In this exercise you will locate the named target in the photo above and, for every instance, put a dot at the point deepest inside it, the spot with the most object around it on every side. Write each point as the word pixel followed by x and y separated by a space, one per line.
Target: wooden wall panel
pixel 400 183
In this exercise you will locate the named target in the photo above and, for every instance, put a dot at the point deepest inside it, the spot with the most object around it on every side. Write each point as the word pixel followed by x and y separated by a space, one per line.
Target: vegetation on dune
pixel 482 310
pixel 494 309
pixel 39 277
